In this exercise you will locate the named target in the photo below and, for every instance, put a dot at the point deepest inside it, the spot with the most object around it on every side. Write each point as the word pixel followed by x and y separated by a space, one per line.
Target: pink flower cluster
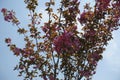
pixel 82 18
pixel 90 32
pixel 16 51
pixel 66 42
pixel 86 73
pixel 8 40
pixel 24 52
pixel 85 16
pixel 102 4
pixel 45 78
pixel 50 77
pixel 94 58
pixel 45 28
pixel 118 3
pixel 9 16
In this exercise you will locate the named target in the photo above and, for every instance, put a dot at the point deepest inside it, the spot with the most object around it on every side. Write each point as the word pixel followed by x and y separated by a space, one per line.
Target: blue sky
pixel 108 68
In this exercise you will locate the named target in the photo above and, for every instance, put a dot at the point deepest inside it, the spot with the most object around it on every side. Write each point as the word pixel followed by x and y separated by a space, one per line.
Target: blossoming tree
pixel 58 47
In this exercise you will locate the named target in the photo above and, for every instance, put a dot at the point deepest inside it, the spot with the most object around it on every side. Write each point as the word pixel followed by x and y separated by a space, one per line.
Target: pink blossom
pixel 45 78
pixel 93 58
pixel 16 51
pixel 102 4
pixel 90 35
pixel 91 32
pixel 8 40
pixel 27 51
pixel 66 42
pixel 85 16
pixel 75 1
pixel 21 66
pixel 4 10
pixel 96 56
pixel 51 77
pixel 82 18
pixel 9 16
pixel 45 28
pixel 85 73
pixel 118 3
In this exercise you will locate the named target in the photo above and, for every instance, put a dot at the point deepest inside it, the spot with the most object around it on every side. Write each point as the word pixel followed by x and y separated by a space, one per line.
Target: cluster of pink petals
pixel 118 3
pixel 24 52
pixel 91 32
pixel 45 78
pixel 17 51
pixel 45 28
pixel 8 40
pixel 102 4
pixel 50 77
pixel 86 73
pixel 9 16
pixel 82 18
pixel 85 16
pixel 66 42
pixel 94 58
